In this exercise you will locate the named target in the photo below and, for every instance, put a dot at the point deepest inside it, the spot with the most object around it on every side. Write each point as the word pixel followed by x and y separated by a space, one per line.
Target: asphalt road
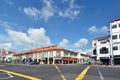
pixel 58 72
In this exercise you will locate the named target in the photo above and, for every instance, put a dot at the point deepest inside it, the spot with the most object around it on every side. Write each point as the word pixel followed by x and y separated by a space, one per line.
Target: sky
pixel 70 24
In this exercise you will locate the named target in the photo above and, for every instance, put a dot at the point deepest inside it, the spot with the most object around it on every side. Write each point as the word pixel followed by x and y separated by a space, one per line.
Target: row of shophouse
pixel 50 55
pixel 106 49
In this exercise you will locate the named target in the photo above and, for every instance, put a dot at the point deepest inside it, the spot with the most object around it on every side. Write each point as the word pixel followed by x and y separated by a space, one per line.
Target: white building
pixel 115 40
pixel 101 49
pixel 83 57
pixel 107 49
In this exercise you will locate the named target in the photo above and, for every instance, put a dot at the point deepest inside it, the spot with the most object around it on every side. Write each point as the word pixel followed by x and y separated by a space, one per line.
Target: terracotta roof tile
pixel 103 37
pixel 117 19
pixel 40 49
pixel 86 55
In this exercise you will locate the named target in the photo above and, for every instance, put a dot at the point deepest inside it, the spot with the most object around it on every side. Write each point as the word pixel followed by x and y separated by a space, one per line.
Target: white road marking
pixel 9 76
pixel 101 76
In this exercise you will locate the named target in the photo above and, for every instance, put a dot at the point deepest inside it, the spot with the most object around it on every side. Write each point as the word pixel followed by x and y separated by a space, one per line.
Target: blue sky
pixel 71 24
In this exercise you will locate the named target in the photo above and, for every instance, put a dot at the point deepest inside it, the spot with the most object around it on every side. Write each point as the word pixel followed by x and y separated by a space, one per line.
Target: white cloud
pixel 51 8
pixel 72 11
pixel 5 24
pixel 20 38
pixel 4 38
pixel 33 12
pixel 94 29
pixel 7 46
pixel 45 13
pixel 39 35
pixel 64 43
pixel 48 10
pixel 81 43
pixel 32 37
pixel 104 29
pixel 63 1
pixel 10 2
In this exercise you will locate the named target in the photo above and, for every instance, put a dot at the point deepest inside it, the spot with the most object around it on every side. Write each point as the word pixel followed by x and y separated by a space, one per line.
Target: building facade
pixel 48 55
pixel 101 49
pixel 6 55
pixel 115 40
pixel 83 57
pixel 106 49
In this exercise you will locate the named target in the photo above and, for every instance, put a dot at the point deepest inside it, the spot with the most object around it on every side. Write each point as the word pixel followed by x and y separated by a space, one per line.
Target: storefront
pixel 68 60
pixel 104 60
pixel 117 60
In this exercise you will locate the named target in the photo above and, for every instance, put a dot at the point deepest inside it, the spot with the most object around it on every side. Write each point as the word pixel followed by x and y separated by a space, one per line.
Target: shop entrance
pixel 117 61
pixel 105 61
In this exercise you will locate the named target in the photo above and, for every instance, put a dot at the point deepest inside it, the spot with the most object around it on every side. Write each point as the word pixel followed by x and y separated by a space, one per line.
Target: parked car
pixel 31 63
pixel 21 62
pixel 87 62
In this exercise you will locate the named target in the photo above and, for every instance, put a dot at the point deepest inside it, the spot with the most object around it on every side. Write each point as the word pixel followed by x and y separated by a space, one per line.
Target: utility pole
pixel 111 47
pixel 111 52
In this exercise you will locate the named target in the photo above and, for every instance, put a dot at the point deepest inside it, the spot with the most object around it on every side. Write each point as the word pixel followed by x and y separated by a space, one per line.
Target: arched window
pixel 103 50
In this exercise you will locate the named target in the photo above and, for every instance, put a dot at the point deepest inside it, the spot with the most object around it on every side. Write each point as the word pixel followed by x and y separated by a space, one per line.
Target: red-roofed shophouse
pixel 48 55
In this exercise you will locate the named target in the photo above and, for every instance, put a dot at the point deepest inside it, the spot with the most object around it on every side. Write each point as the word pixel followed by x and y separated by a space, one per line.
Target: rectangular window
pixel 114 37
pixel 115 47
pixel 104 42
pixel 114 26
pixel 119 25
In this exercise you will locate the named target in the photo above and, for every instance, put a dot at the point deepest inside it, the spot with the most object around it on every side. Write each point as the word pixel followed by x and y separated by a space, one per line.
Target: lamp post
pixel 111 55
pixel 111 46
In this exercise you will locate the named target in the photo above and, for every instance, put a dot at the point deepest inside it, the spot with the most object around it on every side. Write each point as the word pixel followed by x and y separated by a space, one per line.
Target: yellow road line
pixel 62 76
pixel 21 75
pixel 82 75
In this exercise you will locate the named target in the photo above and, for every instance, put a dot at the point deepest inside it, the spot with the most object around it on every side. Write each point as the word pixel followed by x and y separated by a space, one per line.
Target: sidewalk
pixel 114 66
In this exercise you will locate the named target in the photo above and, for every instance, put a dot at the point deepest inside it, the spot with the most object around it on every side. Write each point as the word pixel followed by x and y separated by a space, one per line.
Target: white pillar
pixel 48 59
pixel 62 61
pixel 68 61
pixel 78 61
